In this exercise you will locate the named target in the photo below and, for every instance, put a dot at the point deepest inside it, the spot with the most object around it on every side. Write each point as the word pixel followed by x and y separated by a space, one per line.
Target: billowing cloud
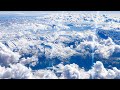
pixel 16 71
pixel 58 35
pixel 69 71
pixel 7 56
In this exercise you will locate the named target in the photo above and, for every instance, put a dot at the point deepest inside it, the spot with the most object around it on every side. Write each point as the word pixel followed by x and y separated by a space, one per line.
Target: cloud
pixel 44 74
pixel 98 71
pixel 7 56
pixel 16 71
pixel 19 71
pixel 69 71
pixel 60 35
pixel 32 61
pixel 59 50
pixel 105 48
pixel 72 71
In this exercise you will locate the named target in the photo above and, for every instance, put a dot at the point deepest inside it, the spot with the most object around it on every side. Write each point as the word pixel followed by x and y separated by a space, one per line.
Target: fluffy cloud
pixel 69 71
pixel 98 71
pixel 57 35
pixel 59 50
pixel 31 61
pixel 19 71
pixel 44 74
pixel 7 56
pixel 105 48
pixel 16 71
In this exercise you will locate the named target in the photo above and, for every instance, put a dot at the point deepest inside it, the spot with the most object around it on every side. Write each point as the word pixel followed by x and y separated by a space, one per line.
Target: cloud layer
pixel 26 42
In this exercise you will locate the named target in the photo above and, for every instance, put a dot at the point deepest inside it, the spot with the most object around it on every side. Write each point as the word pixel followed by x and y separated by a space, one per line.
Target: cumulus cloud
pixel 7 56
pixel 98 71
pixel 60 35
pixel 29 35
pixel 19 71
pixel 69 71
pixel 44 74
pixel 59 50
pixel 16 71
pixel 32 61
pixel 105 48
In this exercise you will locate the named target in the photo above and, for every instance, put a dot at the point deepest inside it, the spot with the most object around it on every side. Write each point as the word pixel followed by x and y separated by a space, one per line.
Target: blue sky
pixel 36 13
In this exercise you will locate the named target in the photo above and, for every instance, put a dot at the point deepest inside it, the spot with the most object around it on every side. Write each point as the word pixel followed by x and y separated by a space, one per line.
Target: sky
pixel 44 12
pixel 38 13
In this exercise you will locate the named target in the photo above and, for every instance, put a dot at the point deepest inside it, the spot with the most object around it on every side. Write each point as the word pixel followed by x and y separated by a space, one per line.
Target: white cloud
pixel 19 71
pixel 105 48
pixel 44 74
pixel 98 71
pixel 26 36
pixel 32 61
pixel 59 50
pixel 69 71
pixel 72 71
pixel 16 71
pixel 7 56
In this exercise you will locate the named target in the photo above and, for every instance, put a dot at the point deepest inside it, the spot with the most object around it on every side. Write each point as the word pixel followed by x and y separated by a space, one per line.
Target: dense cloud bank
pixel 51 40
